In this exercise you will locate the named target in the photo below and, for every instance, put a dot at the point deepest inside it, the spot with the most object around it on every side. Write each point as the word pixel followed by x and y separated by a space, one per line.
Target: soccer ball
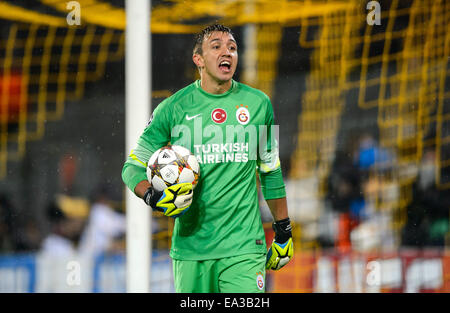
pixel 171 165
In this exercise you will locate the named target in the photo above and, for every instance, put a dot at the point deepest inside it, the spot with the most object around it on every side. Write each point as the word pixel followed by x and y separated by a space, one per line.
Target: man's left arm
pixel 274 192
pixel 278 208
pixel 282 249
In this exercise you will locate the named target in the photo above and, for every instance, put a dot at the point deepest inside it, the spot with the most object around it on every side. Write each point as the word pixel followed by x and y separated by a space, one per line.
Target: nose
pixel 226 52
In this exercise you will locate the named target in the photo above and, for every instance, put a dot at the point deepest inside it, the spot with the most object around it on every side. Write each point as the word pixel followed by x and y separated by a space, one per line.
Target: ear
pixel 198 60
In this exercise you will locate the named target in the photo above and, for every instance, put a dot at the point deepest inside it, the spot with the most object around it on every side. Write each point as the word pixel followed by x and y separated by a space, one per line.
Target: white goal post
pixel 137 113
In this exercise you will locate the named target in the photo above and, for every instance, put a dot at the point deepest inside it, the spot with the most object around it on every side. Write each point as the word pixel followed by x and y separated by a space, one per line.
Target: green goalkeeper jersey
pixel 232 136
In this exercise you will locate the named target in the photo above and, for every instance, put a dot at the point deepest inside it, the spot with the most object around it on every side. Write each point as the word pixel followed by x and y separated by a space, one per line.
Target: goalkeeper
pixel 218 242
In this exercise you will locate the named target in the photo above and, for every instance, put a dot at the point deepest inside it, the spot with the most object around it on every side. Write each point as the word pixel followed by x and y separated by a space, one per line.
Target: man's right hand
pixel 173 201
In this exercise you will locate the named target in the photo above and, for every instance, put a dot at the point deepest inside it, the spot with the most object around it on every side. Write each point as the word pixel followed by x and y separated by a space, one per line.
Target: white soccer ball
pixel 172 165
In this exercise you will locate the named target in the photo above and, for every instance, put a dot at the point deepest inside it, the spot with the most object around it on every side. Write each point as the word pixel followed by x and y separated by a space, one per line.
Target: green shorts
pixel 239 274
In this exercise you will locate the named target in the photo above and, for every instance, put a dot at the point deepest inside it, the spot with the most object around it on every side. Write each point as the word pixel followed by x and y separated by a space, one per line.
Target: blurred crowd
pixel 380 204
pixel 76 226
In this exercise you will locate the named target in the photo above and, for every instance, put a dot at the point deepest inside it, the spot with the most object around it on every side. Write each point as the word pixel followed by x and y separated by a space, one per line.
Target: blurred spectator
pixel 28 236
pixel 16 234
pixel 428 214
pixel 106 227
pixel 345 196
pixel 344 183
pixel 58 258
pixel 371 209
pixel 67 217
pixel 370 156
pixel 6 240
pixel 357 180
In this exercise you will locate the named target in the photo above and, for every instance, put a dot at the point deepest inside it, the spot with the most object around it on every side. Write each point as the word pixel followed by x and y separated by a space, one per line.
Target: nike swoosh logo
pixel 192 117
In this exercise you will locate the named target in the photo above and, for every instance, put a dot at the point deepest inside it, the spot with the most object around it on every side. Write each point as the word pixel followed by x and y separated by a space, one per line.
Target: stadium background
pixel 364 117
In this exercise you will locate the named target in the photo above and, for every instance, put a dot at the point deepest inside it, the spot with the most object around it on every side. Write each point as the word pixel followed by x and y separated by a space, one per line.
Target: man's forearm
pixel 278 208
pixel 141 188
pixel 132 175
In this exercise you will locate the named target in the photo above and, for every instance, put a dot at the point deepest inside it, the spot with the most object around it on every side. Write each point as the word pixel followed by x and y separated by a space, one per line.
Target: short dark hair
pixel 206 32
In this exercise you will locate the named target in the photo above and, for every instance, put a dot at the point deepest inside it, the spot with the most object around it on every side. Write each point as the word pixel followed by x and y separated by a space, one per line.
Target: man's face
pixel 219 58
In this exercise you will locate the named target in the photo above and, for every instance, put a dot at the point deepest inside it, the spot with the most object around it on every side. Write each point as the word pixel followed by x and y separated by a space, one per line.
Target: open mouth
pixel 225 66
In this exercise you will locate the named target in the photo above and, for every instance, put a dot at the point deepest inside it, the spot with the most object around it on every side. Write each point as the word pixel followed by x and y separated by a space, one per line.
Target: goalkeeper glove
pixel 173 201
pixel 282 248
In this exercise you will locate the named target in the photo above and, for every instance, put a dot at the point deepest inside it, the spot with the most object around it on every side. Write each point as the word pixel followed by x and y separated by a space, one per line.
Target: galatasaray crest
pixel 242 114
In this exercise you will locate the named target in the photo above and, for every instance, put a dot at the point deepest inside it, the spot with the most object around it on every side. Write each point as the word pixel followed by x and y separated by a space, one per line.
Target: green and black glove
pixel 282 248
pixel 173 201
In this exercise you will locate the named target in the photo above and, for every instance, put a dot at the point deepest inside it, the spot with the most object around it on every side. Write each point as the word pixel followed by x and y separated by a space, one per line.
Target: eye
pixel 232 48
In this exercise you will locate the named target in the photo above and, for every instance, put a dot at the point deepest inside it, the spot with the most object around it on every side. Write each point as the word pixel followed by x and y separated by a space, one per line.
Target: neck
pixel 215 87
